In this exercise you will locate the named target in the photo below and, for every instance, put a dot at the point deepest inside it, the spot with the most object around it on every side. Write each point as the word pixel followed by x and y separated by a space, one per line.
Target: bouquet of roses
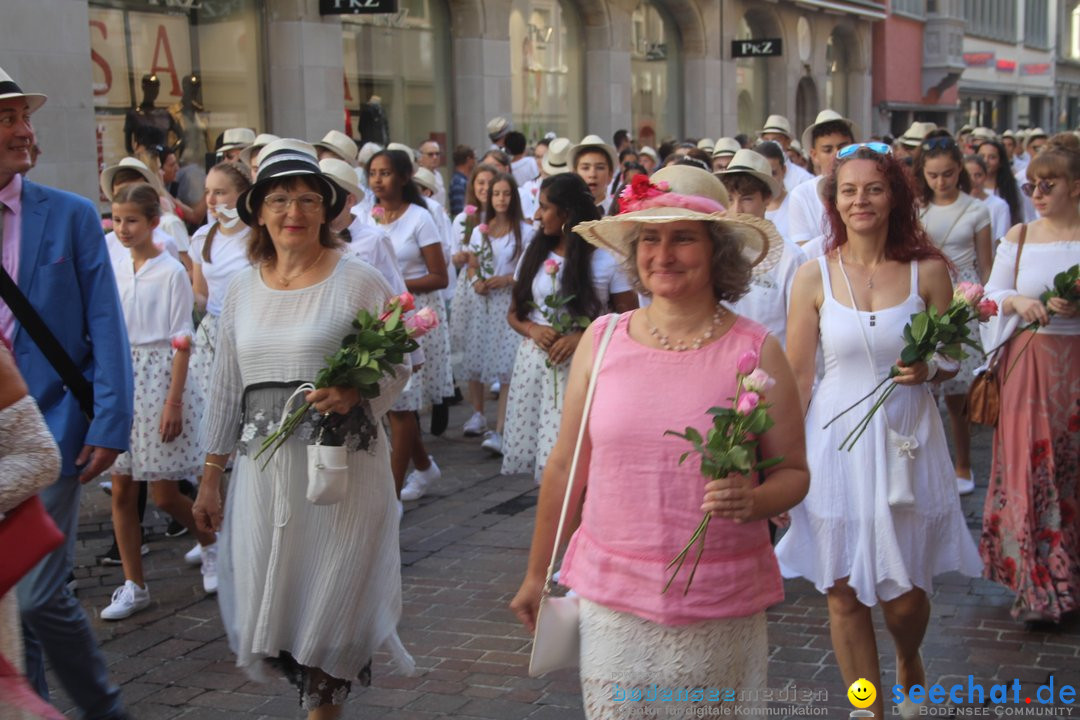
pixel 555 312
pixel 1067 287
pixel 364 358
pixel 925 335
pixel 729 446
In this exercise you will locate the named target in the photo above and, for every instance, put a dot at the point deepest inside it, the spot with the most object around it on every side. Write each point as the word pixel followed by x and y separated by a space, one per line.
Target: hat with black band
pixel 288 158
pixel 10 89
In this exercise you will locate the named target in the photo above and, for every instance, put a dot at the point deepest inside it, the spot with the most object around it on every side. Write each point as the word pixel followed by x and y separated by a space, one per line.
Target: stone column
pixel 45 47
pixel 303 70
pixel 480 40
pixel 608 71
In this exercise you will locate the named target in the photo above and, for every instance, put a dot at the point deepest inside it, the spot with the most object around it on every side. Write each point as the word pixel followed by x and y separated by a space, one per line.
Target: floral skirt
pixel 1031 522
pixel 435 380
pixel 149 458
pixel 533 411
pixel 490 344
pixel 201 365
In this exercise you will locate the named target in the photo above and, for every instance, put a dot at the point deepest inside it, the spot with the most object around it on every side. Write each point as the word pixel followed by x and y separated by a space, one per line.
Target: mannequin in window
pixel 374 126
pixel 190 116
pixel 146 114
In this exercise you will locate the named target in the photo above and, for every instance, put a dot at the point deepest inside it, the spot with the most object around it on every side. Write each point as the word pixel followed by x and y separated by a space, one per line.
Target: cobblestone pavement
pixel 464 549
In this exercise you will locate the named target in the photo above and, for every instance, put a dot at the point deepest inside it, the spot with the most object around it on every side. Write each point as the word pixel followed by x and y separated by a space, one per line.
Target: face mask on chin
pixel 228 217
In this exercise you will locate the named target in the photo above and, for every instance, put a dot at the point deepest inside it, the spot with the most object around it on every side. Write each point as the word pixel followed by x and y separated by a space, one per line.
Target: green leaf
pixel 920 325
pixel 770 463
pixel 909 355
pixel 739 458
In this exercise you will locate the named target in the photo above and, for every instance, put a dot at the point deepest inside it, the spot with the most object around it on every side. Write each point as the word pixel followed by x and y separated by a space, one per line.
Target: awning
pixel 865 8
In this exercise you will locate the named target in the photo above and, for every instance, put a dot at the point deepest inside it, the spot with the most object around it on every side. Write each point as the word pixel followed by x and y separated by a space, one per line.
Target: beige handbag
pixel 557 641
pixel 327 467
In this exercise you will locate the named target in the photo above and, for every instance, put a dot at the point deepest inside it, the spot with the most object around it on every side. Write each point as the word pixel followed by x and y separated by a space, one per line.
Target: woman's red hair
pixel 907 240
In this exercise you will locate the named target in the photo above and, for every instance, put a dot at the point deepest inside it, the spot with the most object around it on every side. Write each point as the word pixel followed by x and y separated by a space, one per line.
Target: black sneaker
pixel 112 556
pixel 175 529
pixel 440 418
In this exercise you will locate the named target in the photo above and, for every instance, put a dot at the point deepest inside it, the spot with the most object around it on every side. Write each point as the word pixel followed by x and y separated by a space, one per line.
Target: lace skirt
pixel 633 668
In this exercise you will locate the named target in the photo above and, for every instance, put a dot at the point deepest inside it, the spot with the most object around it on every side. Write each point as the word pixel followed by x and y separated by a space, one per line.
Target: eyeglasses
pixel 848 150
pixel 279 202
pixel 1043 186
pixel 433 153
pixel 939 143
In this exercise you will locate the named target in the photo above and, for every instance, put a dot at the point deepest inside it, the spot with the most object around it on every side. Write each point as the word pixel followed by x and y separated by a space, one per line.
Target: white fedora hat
pixel 915 134
pixel 9 89
pixel 340 145
pixel 593 142
pixel 425 178
pixel 557 159
pixel 498 127
pixel 261 141
pixel 726 146
pixel 776 124
pixel 748 162
pixel 343 175
pixel 706 144
pixel 128 163
pixel 828 116
pixel 238 137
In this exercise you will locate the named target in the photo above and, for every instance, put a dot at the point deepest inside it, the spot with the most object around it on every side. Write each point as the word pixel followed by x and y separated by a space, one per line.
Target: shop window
pixel 656 100
pixel 179 75
pixel 837 70
pixel 397 79
pixel 546 70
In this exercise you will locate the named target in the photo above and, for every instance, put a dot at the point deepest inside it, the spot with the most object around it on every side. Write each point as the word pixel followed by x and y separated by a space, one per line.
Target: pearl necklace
pixel 681 346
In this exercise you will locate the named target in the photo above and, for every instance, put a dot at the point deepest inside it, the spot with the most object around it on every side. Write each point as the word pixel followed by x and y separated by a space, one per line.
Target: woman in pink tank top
pixel 666 365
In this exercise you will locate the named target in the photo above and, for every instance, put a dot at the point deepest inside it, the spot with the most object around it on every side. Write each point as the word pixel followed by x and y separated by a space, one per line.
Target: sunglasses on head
pixel 879 147
pixel 939 143
pixel 1043 186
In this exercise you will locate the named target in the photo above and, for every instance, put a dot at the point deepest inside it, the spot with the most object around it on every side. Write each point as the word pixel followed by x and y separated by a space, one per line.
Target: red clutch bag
pixel 27 534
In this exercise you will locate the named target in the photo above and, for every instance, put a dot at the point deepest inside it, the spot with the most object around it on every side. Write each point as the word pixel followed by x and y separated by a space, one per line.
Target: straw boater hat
pixel 497 127
pixel 706 144
pixel 726 146
pixel 426 179
pixel 593 142
pixel 129 163
pixel 283 159
pixel 748 162
pixel 239 137
pixel 340 144
pixel 915 134
pixel 343 174
pixel 777 124
pixel 557 158
pixel 261 141
pixel 828 116
pixel 683 192
pixel 9 90
pixel 984 133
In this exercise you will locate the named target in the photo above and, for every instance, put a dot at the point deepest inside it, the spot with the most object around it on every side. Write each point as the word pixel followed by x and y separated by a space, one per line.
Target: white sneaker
pixel 209 569
pixel 417 482
pixel 476 425
pixel 492 442
pixel 194 555
pixel 965 486
pixel 495 388
pixel 400 510
pixel 127 600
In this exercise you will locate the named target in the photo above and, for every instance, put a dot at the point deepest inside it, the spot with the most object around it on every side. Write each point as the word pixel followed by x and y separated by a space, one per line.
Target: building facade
pixel 433 68
pixel 1067 66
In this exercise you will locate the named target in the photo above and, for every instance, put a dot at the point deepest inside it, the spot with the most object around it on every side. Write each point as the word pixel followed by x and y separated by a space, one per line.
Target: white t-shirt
pixel 372 245
pixel 1000 218
pixel 608 279
pixel 815 248
pixel 162 240
pixel 806 213
pixel 795 176
pixel 524 170
pixel 780 217
pixel 415 229
pixel 175 228
pixel 157 300
pixel 503 248
pixel 228 256
pixel 953 227
pixel 769 297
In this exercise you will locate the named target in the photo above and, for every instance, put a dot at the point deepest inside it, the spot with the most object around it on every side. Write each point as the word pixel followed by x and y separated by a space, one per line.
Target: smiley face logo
pixel 862 693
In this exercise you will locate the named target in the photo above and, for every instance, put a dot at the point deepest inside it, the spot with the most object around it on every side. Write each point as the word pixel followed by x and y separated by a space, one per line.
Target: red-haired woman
pixel 854 536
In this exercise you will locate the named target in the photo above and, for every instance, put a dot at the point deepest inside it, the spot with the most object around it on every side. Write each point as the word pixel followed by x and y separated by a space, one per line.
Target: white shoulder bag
pixel 557 641
pixel 327 467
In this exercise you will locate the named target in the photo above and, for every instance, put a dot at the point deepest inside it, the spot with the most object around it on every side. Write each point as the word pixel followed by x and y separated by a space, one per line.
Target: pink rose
pixel 970 293
pixel 483 228
pixel 748 362
pixel 406 300
pixel 181 342
pixel 758 381
pixel 471 210
pixel 378 213
pixel 551 267
pixel 748 402
pixel 663 186
pixel 535 191
pixel 424 321
pixel 107 225
pixel 987 309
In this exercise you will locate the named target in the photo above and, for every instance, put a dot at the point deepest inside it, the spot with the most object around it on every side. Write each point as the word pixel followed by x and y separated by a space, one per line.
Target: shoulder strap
pixel 48 344
pixel 1019 252
pixel 613 320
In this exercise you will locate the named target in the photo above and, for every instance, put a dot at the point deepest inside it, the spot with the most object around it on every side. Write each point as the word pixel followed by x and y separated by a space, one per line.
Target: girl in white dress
pixel 958 225
pixel 1001 182
pixel 489 343
pixel 1000 220
pixel 846 537
pixel 157 301
pixel 557 261
pixel 418 246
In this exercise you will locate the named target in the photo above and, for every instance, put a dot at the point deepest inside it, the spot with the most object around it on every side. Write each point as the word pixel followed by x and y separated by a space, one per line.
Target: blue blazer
pixel 65 272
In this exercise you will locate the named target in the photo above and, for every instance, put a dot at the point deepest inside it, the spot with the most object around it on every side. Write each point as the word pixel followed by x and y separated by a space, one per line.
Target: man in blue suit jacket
pixel 54 248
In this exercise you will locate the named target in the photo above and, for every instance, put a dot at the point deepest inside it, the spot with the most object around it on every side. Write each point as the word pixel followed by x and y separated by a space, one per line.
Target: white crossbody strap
pixel 613 320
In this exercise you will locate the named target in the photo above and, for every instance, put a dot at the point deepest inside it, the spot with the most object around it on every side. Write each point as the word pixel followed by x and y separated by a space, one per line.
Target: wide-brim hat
pixel 726 146
pixel 593 142
pixel 9 89
pixel 776 124
pixel 748 162
pixel 425 178
pixel 343 174
pixel 497 127
pixel 683 192
pixel 340 145
pixel 129 163
pixel 238 137
pixel 915 134
pixel 828 116
pixel 261 141
pixel 288 158
pixel 557 158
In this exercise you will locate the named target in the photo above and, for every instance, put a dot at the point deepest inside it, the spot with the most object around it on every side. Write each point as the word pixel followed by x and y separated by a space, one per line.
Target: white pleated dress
pixel 322 583
pixel 845 526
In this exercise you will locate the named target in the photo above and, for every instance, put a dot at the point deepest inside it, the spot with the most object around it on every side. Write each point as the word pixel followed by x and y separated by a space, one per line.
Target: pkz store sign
pixel 357 7
pixel 758 47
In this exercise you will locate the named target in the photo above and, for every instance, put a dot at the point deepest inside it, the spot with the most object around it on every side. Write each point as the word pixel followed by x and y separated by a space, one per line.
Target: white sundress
pixel 845 526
